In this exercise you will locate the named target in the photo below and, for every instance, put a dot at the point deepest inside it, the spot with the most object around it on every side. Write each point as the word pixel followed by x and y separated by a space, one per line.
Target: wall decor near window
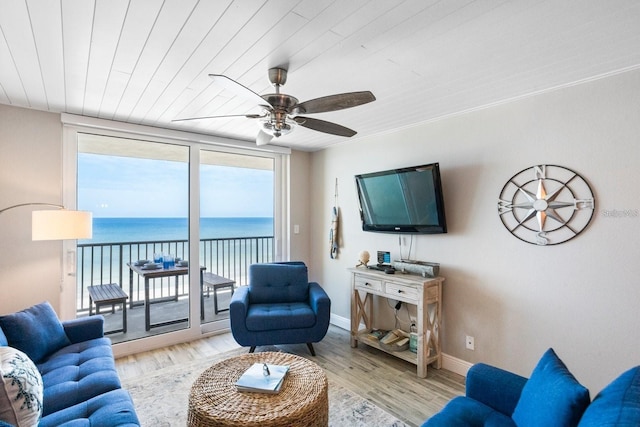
pixel 546 205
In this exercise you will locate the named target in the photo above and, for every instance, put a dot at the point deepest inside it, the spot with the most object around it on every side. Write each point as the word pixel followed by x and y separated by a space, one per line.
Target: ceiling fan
pixel 281 112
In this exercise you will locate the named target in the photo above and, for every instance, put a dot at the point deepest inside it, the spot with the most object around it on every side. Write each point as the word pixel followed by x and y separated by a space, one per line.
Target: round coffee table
pixel 302 400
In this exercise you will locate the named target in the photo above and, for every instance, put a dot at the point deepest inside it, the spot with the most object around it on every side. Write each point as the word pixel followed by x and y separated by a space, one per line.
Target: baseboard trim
pixel 455 365
pixel 340 322
pixel 450 363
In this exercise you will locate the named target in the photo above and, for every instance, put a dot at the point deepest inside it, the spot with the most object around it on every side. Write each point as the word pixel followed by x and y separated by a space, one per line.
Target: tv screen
pixel 407 200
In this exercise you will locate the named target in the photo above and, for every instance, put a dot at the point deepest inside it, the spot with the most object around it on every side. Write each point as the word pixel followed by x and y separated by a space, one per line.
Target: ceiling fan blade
pixel 335 102
pixel 263 138
pixel 237 88
pixel 246 116
pixel 324 126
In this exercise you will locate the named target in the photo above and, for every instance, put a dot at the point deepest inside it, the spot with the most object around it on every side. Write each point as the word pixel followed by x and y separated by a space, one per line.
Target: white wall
pixel 299 211
pixel 516 299
pixel 30 171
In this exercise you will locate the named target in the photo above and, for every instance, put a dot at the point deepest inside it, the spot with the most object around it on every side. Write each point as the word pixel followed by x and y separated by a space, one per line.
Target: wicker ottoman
pixel 302 400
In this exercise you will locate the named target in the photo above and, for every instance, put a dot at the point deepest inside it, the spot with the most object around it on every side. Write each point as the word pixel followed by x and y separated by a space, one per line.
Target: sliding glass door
pixel 236 223
pixel 138 192
pixel 210 210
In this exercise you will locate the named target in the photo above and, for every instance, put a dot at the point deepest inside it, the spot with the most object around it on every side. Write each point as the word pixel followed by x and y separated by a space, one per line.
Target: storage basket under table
pixel 302 400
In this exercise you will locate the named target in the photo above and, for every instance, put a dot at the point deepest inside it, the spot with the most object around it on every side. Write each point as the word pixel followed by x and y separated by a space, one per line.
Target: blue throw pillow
pixel 3 339
pixel 36 331
pixel 551 397
pixel 618 404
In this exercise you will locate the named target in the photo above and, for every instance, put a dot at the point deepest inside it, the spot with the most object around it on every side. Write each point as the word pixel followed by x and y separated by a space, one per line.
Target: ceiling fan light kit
pixel 281 111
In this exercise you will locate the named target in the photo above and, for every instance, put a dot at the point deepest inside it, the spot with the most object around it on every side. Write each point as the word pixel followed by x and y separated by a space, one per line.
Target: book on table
pixel 258 379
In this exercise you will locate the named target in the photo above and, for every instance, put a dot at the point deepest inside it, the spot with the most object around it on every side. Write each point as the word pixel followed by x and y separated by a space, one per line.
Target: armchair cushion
pixel 268 317
pixel 551 396
pixel 277 283
pixel 35 331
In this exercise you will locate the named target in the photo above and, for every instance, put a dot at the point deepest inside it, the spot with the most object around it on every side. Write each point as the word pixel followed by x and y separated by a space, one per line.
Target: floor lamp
pixel 60 224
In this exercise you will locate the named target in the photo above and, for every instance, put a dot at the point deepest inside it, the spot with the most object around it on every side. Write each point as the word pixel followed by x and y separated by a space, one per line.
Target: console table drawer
pixel 409 292
pixel 368 284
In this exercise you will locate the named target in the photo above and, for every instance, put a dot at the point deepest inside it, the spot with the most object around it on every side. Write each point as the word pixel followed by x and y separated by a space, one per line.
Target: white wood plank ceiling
pixel 147 61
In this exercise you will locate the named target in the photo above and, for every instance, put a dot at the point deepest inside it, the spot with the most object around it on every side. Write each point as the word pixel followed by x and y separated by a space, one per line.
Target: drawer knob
pixel 367 284
pixel 400 291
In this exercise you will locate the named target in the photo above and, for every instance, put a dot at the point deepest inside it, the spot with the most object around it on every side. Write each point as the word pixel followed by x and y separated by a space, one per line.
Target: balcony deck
pixel 164 311
pixel 100 263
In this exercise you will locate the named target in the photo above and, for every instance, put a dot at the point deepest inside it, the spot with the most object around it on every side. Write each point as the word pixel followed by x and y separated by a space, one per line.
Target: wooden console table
pixel 424 293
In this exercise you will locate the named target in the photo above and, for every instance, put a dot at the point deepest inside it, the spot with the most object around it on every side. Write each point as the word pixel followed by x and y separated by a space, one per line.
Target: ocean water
pixel 111 230
pixel 117 241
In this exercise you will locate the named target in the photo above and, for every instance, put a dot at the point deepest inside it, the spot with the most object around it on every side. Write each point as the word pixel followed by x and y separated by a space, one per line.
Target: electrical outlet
pixel 470 343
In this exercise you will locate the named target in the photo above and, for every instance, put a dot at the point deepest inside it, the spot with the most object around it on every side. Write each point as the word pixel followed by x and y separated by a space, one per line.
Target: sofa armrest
pixel 84 328
pixel 495 387
pixel 238 309
pixel 318 299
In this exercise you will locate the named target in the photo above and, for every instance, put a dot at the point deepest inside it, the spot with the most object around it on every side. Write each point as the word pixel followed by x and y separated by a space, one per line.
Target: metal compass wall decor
pixel 546 205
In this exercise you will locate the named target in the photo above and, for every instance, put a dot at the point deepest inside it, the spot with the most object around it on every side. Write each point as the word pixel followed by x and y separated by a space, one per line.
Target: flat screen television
pixel 407 200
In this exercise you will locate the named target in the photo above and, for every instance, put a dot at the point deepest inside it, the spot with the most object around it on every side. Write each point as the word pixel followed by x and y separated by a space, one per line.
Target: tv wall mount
pixel 546 205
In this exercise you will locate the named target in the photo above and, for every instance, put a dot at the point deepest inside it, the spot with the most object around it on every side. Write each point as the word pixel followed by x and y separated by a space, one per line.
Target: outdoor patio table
pixel 153 274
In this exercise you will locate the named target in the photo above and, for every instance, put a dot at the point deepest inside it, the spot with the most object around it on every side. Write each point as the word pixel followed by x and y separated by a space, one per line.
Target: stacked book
pixel 396 340
pixel 262 378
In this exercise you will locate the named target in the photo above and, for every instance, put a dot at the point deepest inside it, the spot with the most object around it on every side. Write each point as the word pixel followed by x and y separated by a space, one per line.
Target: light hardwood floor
pixel 388 382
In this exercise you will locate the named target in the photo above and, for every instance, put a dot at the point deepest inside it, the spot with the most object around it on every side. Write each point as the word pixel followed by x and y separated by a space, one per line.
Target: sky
pixel 123 187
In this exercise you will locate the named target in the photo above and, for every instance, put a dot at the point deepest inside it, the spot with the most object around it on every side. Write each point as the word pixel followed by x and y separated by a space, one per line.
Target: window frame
pixel 72 125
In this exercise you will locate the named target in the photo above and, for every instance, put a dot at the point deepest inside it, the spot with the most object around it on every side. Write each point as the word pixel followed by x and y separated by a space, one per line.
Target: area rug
pixel 161 399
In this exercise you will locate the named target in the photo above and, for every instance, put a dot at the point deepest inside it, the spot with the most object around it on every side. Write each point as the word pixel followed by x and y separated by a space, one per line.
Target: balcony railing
pixel 100 263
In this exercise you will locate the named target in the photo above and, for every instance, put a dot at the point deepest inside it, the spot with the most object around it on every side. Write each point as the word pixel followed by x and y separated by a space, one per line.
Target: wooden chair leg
pixel 310 345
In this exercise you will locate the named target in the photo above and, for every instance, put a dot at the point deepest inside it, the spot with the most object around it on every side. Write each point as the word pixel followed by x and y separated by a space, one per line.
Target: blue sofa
pixel 550 397
pixel 76 383
pixel 279 306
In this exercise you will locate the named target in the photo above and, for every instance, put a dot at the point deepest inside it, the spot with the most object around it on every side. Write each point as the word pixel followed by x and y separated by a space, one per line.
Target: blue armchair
pixel 279 306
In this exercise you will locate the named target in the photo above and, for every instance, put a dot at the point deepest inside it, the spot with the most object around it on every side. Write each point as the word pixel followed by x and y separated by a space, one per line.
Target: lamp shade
pixel 61 225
